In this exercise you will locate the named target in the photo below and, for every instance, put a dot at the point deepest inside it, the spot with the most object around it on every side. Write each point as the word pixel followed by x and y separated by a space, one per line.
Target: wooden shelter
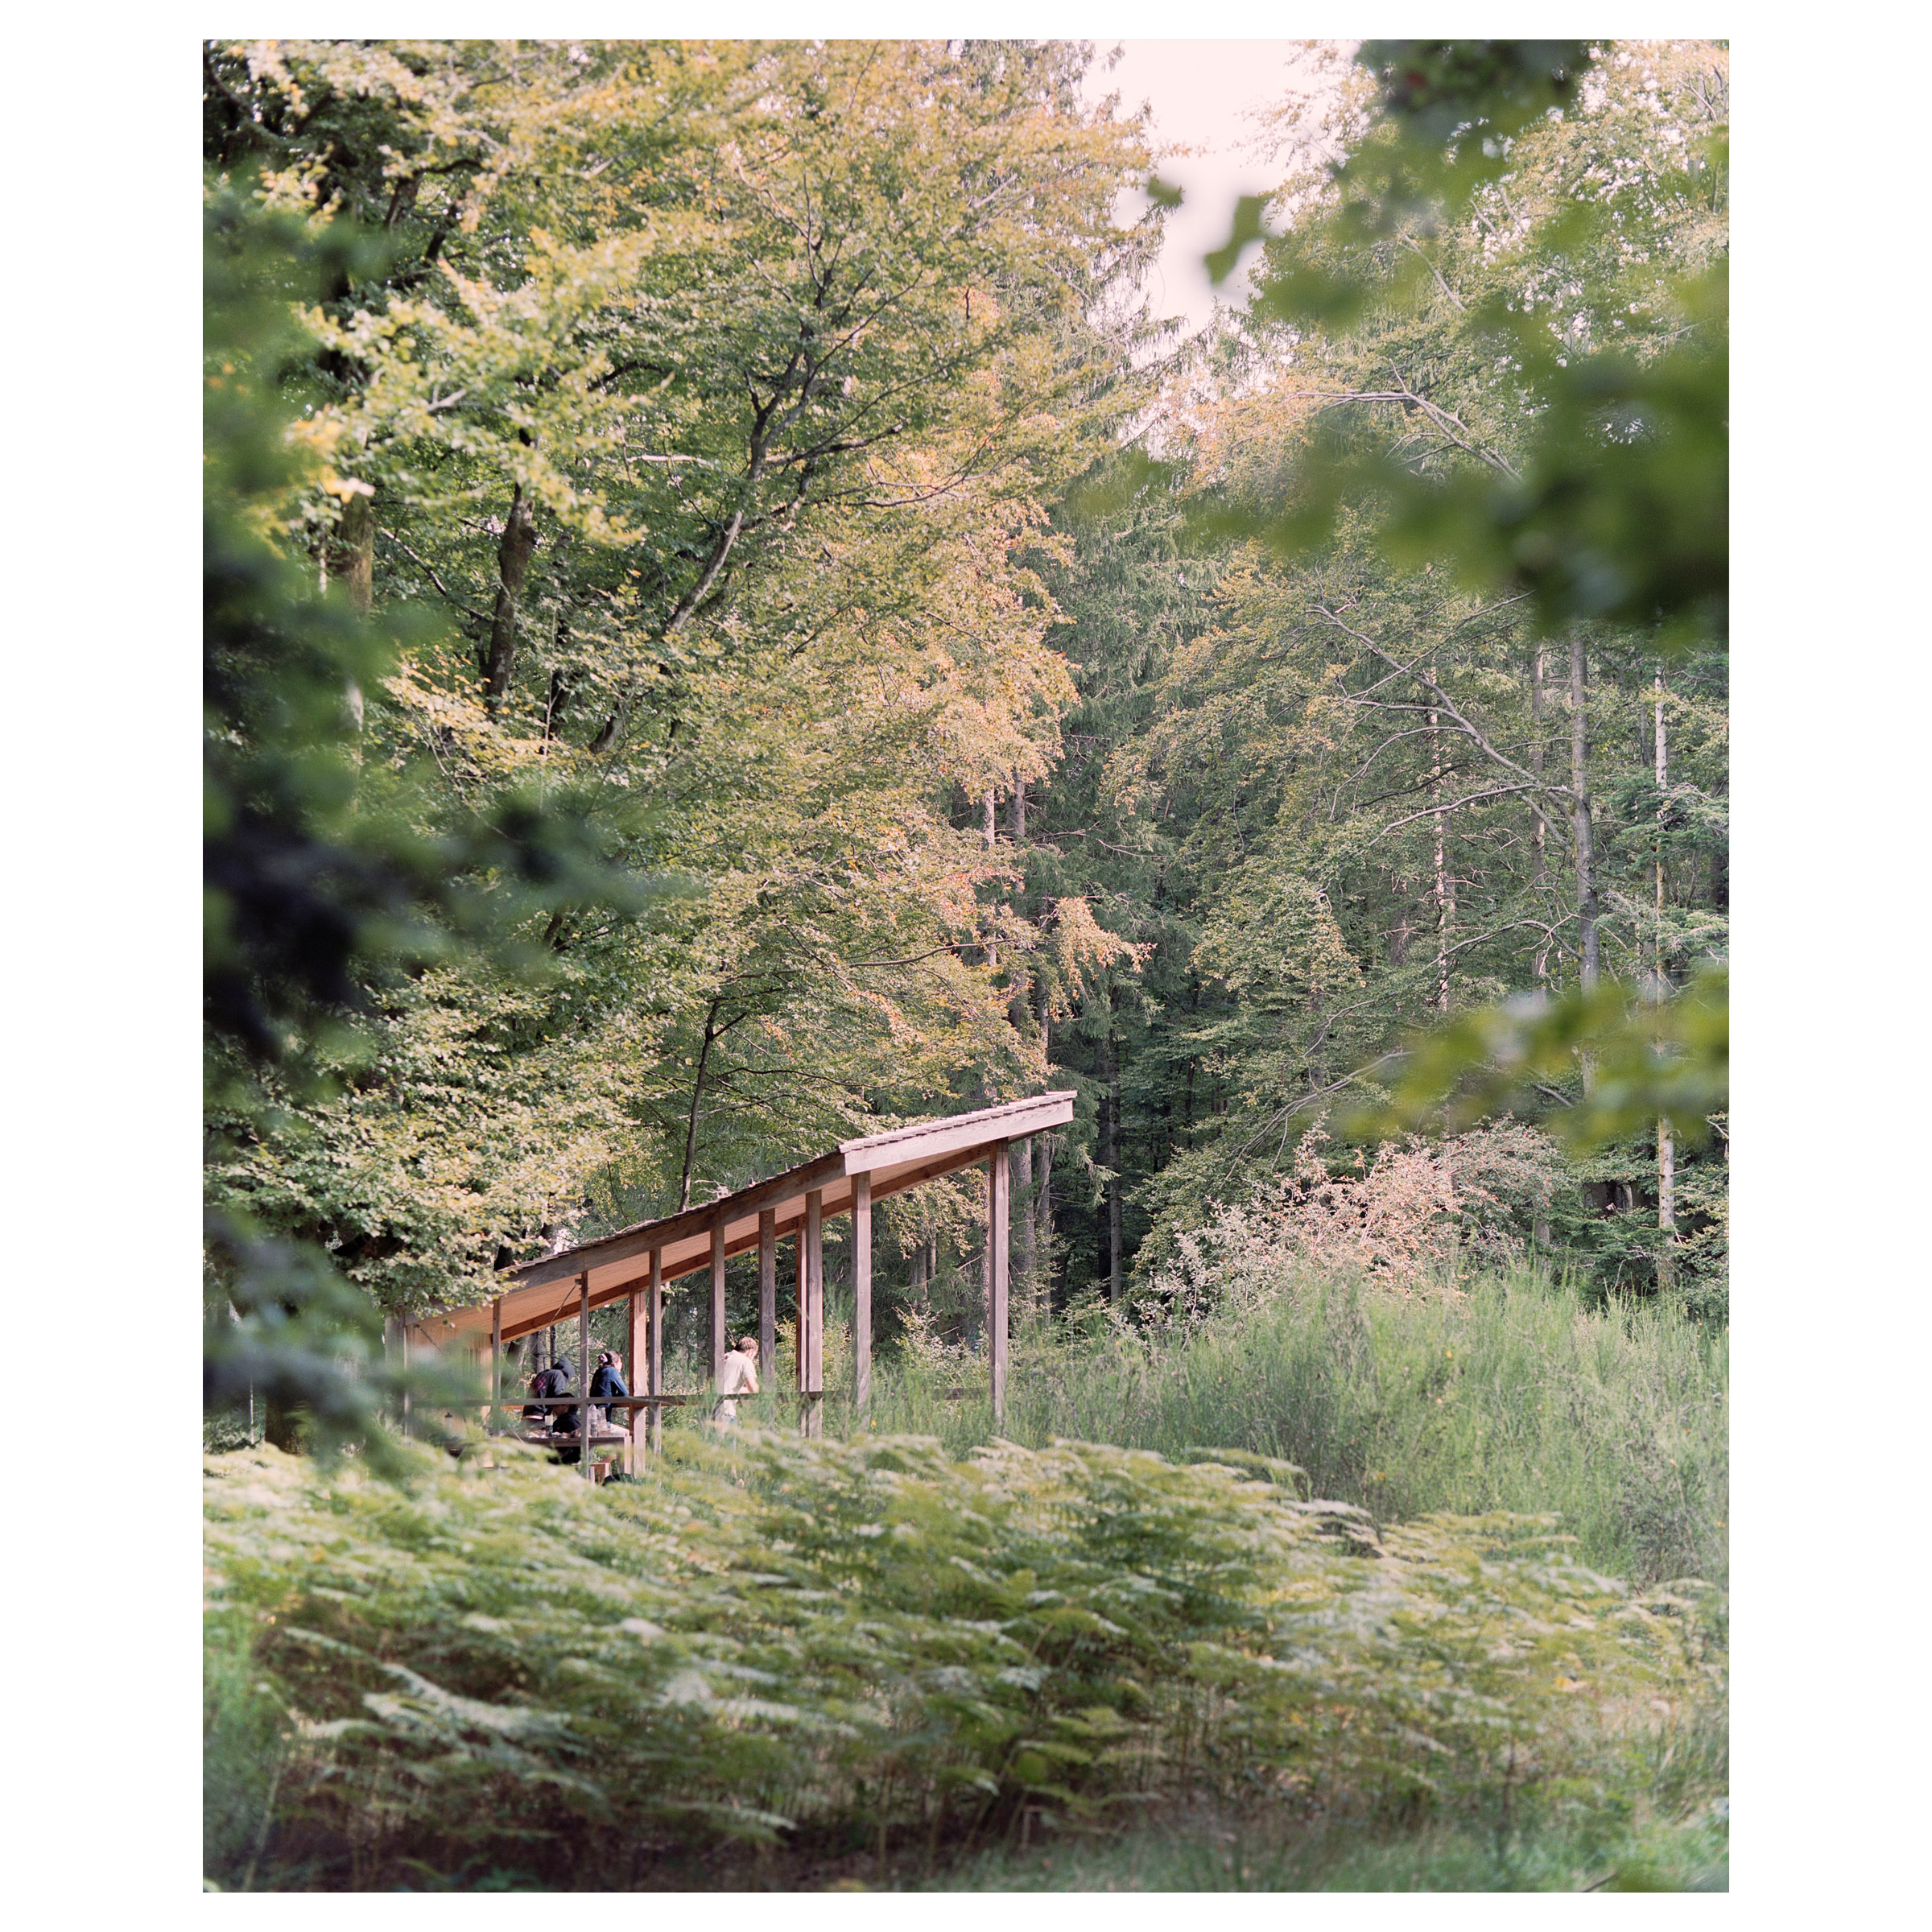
pixel 633 1264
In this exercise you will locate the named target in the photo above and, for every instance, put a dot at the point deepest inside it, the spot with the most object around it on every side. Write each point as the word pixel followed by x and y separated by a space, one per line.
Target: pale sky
pixel 1199 90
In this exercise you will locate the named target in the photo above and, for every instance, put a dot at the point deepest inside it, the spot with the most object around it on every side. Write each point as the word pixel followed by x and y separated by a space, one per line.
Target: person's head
pixel 606 1358
pixel 747 1345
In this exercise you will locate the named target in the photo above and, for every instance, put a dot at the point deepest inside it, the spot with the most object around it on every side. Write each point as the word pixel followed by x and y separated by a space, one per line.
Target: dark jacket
pixel 555 1381
pixel 608 1382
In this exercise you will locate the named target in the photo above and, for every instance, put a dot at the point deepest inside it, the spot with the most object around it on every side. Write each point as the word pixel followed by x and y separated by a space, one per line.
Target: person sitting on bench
pixel 552 1382
pixel 610 1381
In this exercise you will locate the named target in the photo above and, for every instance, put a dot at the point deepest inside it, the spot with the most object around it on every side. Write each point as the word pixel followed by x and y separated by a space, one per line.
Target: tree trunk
pixel 351 556
pixel 697 1089
pixel 281 1426
pixel 1445 904
pixel 1040 1214
pixel 519 540
pixel 1666 1150
pixel 1110 1159
pixel 1539 829
pixel 1022 1204
pixel 561 689
pixel 1579 790
pixel 1018 1013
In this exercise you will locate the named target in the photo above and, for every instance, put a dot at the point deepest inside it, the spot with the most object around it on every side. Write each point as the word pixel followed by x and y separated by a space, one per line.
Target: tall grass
pixel 1508 1393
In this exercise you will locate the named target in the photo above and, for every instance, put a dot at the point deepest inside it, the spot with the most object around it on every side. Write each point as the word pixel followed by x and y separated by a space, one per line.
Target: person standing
pixel 737 1375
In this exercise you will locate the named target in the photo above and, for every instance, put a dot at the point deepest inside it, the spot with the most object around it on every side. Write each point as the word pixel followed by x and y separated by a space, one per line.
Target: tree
pixel 329 885
pixel 714 421
pixel 1393 796
pixel 1513 333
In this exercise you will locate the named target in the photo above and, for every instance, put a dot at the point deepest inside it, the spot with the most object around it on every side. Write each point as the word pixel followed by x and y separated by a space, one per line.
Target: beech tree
pixel 712 397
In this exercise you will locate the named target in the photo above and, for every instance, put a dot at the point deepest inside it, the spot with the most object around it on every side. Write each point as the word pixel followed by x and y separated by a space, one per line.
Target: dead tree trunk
pixel 1444 891
pixel 1580 792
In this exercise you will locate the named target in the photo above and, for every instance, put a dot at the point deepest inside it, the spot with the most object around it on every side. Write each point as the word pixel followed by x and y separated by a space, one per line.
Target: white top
pixel 737 1375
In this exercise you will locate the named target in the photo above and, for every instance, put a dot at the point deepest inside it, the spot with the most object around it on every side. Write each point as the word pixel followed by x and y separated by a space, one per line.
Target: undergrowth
pixel 869 1656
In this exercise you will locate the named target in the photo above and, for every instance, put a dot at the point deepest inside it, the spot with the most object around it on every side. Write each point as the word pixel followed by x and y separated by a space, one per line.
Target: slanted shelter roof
pixel 536 1294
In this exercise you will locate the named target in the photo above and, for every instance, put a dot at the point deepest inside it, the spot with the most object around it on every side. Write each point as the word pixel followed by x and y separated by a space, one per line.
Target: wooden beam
pixel 660 1235
pixel 861 1293
pixel 836 1199
pixel 970 1133
pixel 986 1127
pixel 999 1195
pixel 814 1315
pixel 654 1317
pixel 583 1374
pixel 768 1297
pixel 719 1340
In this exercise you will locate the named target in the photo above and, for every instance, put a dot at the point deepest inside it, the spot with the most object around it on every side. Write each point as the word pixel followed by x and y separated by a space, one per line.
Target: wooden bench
pixel 603 1434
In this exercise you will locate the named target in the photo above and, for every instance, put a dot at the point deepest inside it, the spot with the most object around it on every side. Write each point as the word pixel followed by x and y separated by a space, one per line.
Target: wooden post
pixel 635 1343
pixel 999 1193
pixel 862 1292
pixel 720 1341
pixel 798 1329
pixel 814 1314
pixel 654 1384
pixel 496 1365
pixel 583 1373
pixel 768 1297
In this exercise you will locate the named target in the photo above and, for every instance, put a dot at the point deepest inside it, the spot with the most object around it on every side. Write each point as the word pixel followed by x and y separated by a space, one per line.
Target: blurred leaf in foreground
pixel 1637 1061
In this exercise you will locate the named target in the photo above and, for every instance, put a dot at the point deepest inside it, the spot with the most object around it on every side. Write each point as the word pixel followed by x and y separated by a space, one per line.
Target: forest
pixel 732 623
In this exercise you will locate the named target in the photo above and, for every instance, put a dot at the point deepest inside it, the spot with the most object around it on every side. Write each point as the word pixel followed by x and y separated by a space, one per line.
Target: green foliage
pixel 1479 398
pixel 1670 1058
pixel 319 875
pixel 1608 496
pixel 332 881
pixel 1240 1851
pixel 867 1646
pixel 687 438
pixel 1501 1394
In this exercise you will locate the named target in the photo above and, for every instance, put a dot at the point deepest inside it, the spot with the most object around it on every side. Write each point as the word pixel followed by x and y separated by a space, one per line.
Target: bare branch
pixel 1446 704
pixel 429 571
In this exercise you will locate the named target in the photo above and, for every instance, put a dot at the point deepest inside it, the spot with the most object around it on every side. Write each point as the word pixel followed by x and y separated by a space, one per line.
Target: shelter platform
pixel 634 1265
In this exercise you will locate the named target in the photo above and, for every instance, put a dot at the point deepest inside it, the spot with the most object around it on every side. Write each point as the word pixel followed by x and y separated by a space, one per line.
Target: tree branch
pixel 428 570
